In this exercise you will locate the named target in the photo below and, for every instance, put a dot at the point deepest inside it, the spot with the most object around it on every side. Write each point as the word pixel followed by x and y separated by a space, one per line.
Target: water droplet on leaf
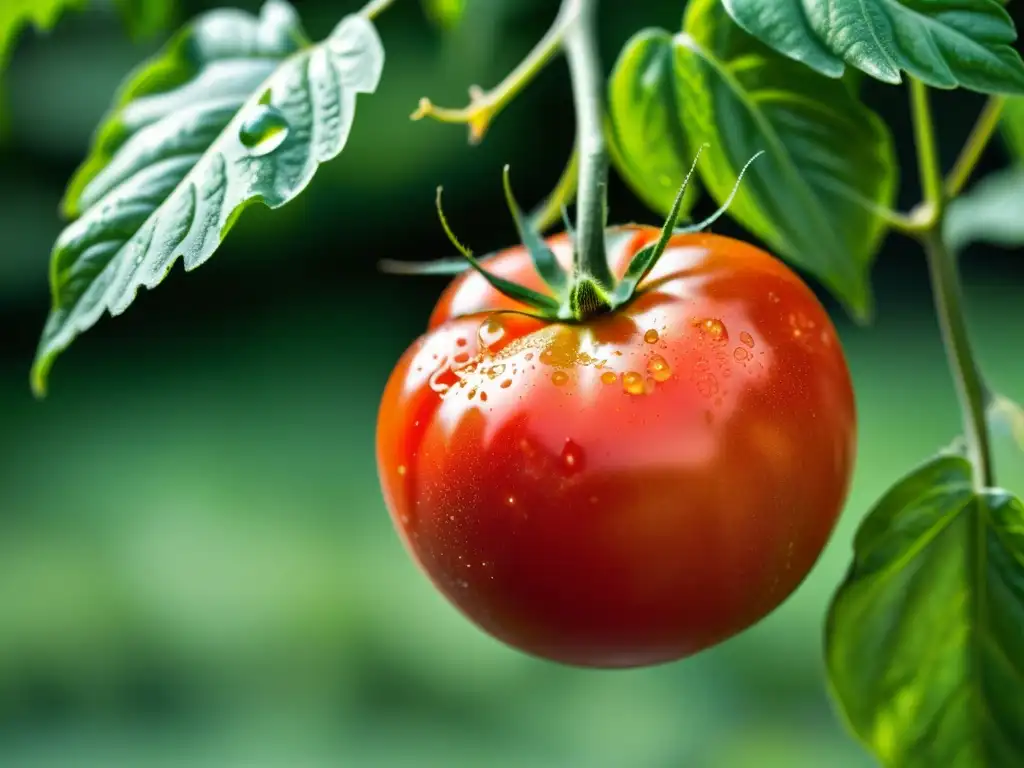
pixel 264 129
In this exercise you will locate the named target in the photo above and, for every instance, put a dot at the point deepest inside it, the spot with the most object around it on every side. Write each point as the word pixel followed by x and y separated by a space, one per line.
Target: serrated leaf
pixel 992 212
pixel 648 143
pixel 445 13
pixel 1013 128
pixel 944 43
pixel 925 637
pixel 829 161
pixel 235 110
pixel 146 18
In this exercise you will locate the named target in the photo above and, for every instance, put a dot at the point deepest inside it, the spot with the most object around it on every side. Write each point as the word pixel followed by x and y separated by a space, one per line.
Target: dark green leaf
pixel 146 18
pixel 647 141
pixel 925 638
pixel 992 212
pixel 445 13
pixel 235 110
pixel 1013 127
pixel 944 43
pixel 829 162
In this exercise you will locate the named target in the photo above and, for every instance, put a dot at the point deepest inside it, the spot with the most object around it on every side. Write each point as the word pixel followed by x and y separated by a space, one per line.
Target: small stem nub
pixel 586 299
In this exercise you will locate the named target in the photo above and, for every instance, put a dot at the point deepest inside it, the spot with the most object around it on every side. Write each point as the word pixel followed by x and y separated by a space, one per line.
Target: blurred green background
pixel 196 567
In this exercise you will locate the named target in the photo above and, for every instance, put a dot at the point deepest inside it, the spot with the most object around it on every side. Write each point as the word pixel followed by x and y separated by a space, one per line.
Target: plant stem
pixel 927 151
pixel 484 106
pixel 984 128
pixel 587 86
pixel 970 387
pixel 948 294
pixel 375 8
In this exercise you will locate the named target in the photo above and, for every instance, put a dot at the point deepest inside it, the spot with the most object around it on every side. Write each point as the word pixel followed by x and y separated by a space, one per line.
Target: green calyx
pixel 573 295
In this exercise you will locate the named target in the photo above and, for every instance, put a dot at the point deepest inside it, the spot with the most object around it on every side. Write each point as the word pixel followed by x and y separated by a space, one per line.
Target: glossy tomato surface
pixel 635 488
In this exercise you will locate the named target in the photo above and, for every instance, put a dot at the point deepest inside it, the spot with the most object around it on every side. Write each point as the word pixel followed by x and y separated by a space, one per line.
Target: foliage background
pixel 196 567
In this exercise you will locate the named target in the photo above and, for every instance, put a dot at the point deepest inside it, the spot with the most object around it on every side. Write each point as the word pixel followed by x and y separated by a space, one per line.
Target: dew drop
pixel 490 332
pixel 529 356
pixel 747 339
pixel 462 357
pixel 651 336
pixel 559 378
pixel 741 354
pixel 460 342
pixel 483 397
pixel 401 470
pixel 506 383
pixel 714 329
pixel 609 377
pixel 773 297
pixel 264 129
pixel 510 500
pixel 633 383
pixel 707 385
pixel 472 393
pixel 659 369
pixel 495 371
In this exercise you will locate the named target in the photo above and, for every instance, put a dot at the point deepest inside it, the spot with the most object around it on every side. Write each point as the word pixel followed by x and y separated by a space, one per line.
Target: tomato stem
pixel 948 291
pixel 590 256
pixel 984 128
pixel 484 106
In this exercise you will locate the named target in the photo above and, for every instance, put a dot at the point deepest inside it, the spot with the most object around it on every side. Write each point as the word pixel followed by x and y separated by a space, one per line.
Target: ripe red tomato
pixel 630 489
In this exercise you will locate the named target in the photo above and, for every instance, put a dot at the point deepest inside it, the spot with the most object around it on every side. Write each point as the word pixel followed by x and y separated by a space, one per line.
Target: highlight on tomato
pixel 622 466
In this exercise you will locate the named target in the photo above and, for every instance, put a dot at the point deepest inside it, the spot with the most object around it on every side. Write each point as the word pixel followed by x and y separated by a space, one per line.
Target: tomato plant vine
pixel 756 105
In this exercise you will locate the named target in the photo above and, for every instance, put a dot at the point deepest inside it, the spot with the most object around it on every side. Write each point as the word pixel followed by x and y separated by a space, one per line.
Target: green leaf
pixel 146 18
pixel 445 13
pixel 16 14
pixel 235 110
pixel 1013 127
pixel 829 163
pixel 647 141
pixel 944 43
pixel 925 638
pixel 992 212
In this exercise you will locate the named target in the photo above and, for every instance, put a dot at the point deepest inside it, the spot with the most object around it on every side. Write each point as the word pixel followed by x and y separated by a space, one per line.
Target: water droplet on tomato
pixel 264 129
pixel 609 377
pixel 483 397
pixel 659 369
pixel 747 339
pixel 506 383
pixel 510 500
pixel 773 297
pixel 491 331
pixel 707 385
pixel 572 457
pixel 633 383
pixel 651 337
pixel 559 378
pixel 461 342
pixel 462 357
pixel 472 393
pixel 741 354
pixel 495 371
pixel 401 470
pixel 714 329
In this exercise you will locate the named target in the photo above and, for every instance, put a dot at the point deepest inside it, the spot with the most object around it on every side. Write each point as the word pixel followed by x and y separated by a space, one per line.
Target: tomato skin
pixel 635 488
